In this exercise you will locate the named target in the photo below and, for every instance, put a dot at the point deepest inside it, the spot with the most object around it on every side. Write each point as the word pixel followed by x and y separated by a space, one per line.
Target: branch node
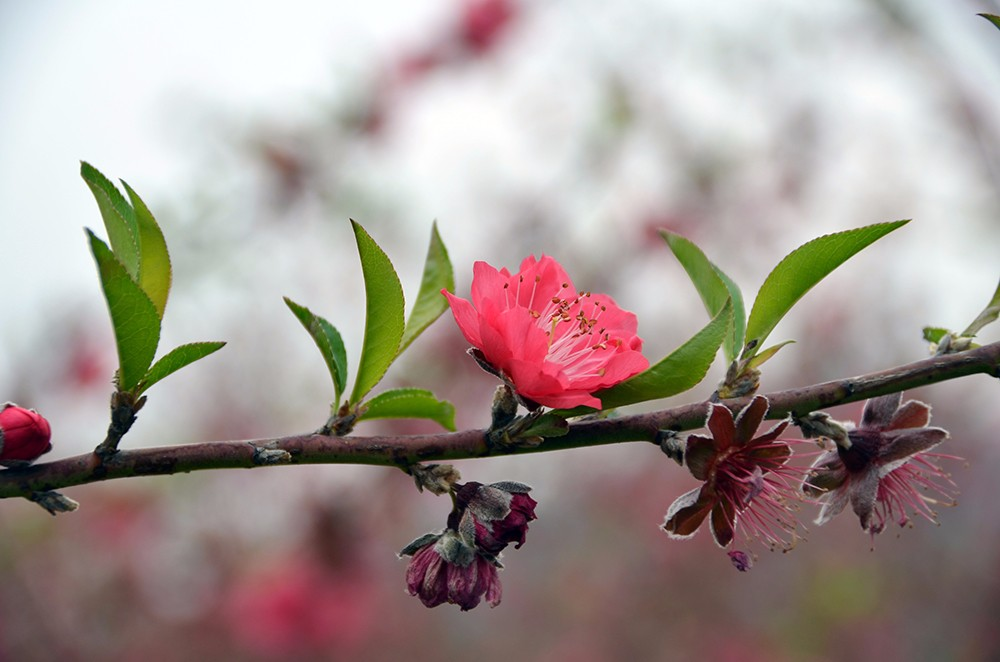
pixel 270 455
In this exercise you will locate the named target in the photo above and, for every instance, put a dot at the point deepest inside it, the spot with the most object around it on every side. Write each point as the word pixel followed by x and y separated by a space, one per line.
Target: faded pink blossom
pixel 887 470
pixel 748 484
pixel 24 435
pixel 444 568
pixel 297 606
pixel 555 346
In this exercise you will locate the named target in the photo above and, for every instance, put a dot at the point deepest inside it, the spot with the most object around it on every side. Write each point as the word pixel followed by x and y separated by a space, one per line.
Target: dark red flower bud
pixel 24 435
pixel 445 569
pixel 494 515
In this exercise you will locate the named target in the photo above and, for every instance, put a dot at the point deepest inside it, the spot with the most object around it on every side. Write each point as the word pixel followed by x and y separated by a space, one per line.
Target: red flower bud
pixel 24 435
pixel 445 569
pixel 495 515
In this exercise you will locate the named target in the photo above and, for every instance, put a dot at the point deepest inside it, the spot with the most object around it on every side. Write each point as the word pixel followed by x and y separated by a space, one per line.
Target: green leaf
pixel 176 359
pixel 330 344
pixel 119 218
pixel 438 275
pixel 737 335
pixel 383 314
pixel 410 403
pixel 934 334
pixel 765 354
pixel 154 260
pixel 714 287
pixel 992 18
pixel 801 269
pixel 683 369
pixel 133 316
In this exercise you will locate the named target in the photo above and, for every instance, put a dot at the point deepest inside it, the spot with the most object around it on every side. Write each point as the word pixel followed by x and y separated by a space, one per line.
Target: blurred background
pixel 574 128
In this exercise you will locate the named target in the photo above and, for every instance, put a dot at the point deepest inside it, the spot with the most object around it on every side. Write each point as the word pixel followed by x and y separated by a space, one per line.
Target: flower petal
pixel 749 419
pixel 771 434
pixel 827 474
pixel 722 523
pixel 912 414
pixel 720 424
pixel 863 490
pixel 687 513
pixel 488 285
pixel 466 317
pixel 879 411
pixel 901 444
pixel 833 504
pixel 698 454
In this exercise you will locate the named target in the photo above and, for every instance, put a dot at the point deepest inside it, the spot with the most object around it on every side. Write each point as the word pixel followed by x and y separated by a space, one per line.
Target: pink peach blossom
pixel 554 345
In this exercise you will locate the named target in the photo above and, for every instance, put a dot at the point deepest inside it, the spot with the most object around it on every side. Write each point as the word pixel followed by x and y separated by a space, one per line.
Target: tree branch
pixel 402 451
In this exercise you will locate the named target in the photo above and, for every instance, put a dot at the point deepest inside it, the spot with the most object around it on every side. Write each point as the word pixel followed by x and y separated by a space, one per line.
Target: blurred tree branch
pixel 403 451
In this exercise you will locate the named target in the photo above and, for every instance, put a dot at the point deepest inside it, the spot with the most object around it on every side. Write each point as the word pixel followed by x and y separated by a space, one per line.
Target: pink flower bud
pixel 24 435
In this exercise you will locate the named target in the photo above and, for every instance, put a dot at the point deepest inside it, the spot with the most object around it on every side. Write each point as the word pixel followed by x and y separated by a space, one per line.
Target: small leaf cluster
pixel 387 334
pixel 136 277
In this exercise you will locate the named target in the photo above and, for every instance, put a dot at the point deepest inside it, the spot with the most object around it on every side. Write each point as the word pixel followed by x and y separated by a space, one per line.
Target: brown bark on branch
pixel 402 451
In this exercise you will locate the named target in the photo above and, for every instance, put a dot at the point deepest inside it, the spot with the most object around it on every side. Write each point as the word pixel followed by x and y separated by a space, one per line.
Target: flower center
pixel 575 339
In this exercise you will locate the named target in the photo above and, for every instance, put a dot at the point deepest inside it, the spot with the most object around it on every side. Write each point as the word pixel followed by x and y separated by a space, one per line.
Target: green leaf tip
pixel 384 314
pixel 438 275
pixel 410 403
pixel 119 218
pixel 135 237
pixel 155 273
pixel 329 342
pixel 992 18
pixel 134 317
pixel 713 286
pixel 800 270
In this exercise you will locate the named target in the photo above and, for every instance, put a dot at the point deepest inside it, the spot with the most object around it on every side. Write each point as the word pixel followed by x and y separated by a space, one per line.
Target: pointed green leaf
pixel 683 369
pixel 330 344
pixel 176 359
pixel 714 287
pixel 438 275
pixel 133 316
pixel 801 269
pixel 154 260
pixel 992 18
pixel 765 354
pixel 410 403
pixel 119 218
pixel 383 314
